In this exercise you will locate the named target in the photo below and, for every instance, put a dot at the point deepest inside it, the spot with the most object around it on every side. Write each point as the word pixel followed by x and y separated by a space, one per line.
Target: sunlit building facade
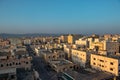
pixel 104 63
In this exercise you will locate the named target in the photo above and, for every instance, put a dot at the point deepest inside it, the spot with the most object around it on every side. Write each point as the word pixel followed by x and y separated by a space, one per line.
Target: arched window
pixel 10 64
pixel 26 62
pixel 16 63
pixel 1 65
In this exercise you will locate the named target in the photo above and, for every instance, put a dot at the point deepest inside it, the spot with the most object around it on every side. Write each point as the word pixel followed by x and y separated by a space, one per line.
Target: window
pixel 94 58
pixel 53 56
pixel 94 63
pixel 101 60
pixel 16 63
pixel 111 69
pixel 10 64
pixel 26 62
pixel 100 65
pixel 111 63
pixel 19 63
pixel 1 65
pixel 49 57
pixel 13 63
pixel 71 67
pixel 12 77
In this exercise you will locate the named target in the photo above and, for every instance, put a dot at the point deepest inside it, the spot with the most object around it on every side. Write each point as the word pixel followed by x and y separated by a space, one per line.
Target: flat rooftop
pixel 86 50
pixel 47 52
pixel 110 56
pixel 89 76
pixel 7 70
pixel 5 53
pixel 60 62
pixel 115 56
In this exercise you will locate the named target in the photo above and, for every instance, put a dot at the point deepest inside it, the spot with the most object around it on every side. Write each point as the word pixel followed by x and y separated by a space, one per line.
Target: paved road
pixel 41 67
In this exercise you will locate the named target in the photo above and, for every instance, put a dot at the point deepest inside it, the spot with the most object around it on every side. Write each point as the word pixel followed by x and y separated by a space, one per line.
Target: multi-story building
pixel 82 42
pixel 74 75
pixel 63 38
pixel 4 43
pixel 15 41
pixel 8 74
pixel 107 36
pixel 105 63
pixel 112 47
pixel 70 39
pixel 15 63
pixel 52 55
pixel 67 50
pixel 37 50
pixel 27 42
pixel 80 57
pixel 109 46
pixel 61 65
pixel 8 66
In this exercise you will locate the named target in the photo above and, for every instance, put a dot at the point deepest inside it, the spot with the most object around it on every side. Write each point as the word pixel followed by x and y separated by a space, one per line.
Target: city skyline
pixel 87 17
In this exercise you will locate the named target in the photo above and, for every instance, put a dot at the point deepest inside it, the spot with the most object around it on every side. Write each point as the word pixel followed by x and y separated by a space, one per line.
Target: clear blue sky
pixel 60 16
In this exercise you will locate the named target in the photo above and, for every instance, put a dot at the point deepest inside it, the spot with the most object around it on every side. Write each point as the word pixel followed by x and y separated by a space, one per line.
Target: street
pixel 44 71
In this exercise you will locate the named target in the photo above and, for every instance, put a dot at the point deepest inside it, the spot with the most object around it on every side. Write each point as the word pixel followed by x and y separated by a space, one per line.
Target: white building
pixel 83 42
pixel 27 41
pixel 80 57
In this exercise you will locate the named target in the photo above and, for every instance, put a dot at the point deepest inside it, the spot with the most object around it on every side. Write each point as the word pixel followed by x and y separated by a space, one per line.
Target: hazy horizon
pixel 60 16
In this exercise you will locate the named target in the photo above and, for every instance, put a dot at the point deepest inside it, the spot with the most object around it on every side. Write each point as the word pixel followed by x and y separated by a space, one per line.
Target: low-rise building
pixel 106 63
pixel 8 74
pixel 52 55
pixel 67 51
pixel 85 75
pixel 80 57
pixel 8 66
pixel 82 42
pixel 27 42
pixel 61 65
pixel 16 63
pixel 109 46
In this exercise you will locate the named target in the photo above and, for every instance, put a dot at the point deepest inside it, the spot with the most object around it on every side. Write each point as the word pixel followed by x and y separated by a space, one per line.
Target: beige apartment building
pixel 107 36
pixel 63 38
pixel 80 57
pixel 8 74
pixel 105 63
pixel 70 39
pixel 67 51
pixel 109 46
pixel 82 42
pixel 8 67
pixel 97 45
pixel 61 65
pixel 15 63
pixel 49 55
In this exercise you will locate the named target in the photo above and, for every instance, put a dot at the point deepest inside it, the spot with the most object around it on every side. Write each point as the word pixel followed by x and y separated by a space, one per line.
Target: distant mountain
pixel 6 35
